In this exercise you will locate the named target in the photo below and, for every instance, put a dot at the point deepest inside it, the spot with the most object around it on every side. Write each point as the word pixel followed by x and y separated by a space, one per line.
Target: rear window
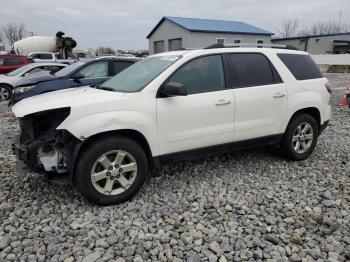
pixel 301 66
pixel 13 61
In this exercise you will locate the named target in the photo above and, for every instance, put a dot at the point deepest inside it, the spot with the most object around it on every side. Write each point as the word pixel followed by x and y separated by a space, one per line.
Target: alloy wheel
pixel 302 139
pixel 114 172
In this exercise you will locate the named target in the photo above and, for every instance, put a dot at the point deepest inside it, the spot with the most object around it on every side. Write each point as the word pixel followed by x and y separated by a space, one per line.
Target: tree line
pixel 292 27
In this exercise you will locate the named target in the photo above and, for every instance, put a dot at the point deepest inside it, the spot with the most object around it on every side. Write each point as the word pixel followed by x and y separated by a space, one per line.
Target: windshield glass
pixel 20 70
pixel 137 76
pixel 68 69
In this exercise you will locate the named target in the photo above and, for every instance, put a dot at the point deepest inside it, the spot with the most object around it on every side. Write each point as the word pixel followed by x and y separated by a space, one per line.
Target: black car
pixel 81 73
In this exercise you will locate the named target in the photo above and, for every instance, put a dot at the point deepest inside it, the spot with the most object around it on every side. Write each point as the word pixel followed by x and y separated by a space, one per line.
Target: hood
pixel 4 76
pixel 36 78
pixel 73 98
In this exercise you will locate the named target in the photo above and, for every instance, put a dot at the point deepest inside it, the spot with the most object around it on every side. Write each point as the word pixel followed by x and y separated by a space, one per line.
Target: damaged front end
pixel 41 146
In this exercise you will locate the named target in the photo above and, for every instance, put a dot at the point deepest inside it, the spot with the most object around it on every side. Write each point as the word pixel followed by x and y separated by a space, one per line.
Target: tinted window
pixel 205 74
pixel 120 66
pixel 45 56
pixel 13 61
pixel 251 70
pixel 99 69
pixel 301 66
pixel 1 61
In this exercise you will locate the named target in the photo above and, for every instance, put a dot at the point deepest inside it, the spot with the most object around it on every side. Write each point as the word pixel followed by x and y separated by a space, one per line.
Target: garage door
pixel 175 44
pixel 158 47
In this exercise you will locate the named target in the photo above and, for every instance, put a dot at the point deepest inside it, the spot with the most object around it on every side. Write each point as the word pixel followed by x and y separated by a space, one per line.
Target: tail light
pixel 329 87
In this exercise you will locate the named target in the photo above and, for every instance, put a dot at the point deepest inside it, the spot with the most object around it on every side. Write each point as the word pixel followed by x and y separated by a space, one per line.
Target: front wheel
pixel 5 92
pixel 111 170
pixel 300 138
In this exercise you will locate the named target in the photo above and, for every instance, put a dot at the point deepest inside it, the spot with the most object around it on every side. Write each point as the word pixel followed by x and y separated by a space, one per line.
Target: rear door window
pixel 251 69
pixel 301 66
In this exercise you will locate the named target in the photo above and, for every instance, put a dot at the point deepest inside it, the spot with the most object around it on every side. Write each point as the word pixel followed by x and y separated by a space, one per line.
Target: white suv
pixel 174 106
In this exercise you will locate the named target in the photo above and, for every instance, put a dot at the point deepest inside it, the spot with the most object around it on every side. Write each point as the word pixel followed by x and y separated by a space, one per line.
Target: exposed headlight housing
pixel 37 124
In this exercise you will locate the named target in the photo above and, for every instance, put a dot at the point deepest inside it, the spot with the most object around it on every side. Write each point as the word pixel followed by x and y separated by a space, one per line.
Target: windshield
pixel 137 76
pixel 20 70
pixel 68 69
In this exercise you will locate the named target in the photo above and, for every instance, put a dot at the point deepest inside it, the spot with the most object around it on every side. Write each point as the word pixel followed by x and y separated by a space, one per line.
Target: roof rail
pixel 251 45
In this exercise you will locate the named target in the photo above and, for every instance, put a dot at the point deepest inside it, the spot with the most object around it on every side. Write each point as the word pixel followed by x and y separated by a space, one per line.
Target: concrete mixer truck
pixel 59 46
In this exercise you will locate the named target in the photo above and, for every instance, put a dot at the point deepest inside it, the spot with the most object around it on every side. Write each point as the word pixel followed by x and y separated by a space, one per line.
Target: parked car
pixel 9 63
pixel 81 73
pixel 39 57
pixel 174 106
pixel 9 81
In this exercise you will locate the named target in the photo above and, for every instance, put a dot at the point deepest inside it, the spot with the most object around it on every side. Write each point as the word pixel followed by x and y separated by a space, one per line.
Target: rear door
pixel 260 96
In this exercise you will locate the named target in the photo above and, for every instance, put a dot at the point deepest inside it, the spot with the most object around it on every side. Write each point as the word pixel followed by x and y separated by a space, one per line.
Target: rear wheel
pixel 5 92
pixel 300 138
pixel 112 170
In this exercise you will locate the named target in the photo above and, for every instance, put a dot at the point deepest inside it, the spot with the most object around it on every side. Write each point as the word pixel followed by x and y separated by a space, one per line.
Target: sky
pixel 125 24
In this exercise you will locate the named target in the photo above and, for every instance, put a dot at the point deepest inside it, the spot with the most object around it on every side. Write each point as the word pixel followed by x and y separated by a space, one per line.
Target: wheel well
pixel 4 84
pixel 312 111
pixel 133 134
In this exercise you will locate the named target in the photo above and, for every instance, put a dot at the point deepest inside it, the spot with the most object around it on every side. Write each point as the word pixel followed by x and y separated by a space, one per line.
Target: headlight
pixel 24 89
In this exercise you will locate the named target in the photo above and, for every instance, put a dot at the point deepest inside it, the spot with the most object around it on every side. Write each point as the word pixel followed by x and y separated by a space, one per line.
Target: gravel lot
pixel 247 205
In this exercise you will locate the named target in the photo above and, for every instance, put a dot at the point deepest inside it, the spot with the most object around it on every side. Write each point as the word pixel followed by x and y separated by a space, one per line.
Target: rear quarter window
pixel 301 66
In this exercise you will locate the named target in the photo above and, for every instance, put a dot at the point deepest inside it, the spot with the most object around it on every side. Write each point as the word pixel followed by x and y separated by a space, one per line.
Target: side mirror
pixel 77 77
pixel 173 89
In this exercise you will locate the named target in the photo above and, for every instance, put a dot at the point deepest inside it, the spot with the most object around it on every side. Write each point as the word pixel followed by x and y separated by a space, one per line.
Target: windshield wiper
pixel 105 88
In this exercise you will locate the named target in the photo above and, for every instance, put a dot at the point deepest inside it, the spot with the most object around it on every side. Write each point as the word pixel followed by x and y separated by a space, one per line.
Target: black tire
pixel 287 148
pixel 5 92
pixel 91 154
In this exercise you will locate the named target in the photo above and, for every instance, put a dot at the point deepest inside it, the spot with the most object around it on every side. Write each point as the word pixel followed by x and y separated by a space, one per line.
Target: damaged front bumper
pixel 53 152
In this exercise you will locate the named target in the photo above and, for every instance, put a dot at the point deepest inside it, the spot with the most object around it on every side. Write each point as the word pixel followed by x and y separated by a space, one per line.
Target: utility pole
pixel 340 16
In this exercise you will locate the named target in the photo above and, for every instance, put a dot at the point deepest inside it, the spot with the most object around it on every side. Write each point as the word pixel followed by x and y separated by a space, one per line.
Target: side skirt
pixel 212 150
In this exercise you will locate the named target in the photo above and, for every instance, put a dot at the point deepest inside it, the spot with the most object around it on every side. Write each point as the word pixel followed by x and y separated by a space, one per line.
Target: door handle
pixel 222 102
pixel 278 95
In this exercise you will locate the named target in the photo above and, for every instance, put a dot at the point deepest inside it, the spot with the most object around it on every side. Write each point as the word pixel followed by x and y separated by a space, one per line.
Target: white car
pixel 48 57
pixel 9 81
pixel 174 106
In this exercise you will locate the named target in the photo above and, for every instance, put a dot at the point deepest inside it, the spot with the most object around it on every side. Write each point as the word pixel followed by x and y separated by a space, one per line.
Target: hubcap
pixel 302 139
pixel 4 94
pixel 114 172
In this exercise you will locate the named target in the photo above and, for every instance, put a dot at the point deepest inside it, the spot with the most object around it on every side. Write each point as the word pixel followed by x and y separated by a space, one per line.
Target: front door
pixel 202 118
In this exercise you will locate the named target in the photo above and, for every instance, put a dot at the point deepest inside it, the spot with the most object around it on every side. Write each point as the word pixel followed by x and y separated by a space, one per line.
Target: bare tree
pixel 288 28
pixel 14 32
pixel 323 28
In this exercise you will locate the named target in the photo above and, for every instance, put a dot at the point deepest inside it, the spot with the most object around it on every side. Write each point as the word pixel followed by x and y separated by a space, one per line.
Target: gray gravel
pixel 247 205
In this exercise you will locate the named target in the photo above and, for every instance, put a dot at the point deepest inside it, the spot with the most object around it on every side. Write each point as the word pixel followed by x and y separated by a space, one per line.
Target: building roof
pixel 308 36
pixel 212 26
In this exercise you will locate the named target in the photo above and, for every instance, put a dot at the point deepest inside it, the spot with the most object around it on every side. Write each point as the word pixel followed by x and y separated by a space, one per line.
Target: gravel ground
pixel 247 205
